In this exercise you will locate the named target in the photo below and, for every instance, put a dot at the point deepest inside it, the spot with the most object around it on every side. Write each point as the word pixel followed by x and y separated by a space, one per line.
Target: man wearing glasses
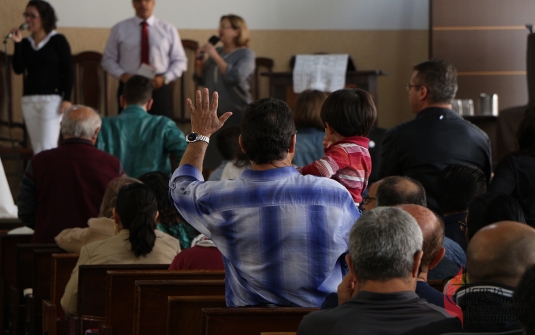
pixel 437 137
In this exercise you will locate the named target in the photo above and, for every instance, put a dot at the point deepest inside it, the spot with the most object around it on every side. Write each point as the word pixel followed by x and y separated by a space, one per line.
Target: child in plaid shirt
pixel 348 116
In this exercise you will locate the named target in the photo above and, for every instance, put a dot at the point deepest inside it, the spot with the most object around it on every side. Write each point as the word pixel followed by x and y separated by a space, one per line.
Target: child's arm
pixel 335 159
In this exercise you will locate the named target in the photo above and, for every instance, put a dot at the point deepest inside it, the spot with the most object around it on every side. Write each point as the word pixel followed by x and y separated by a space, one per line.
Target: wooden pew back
pixel 8 270
pixel 184 313
pixel 252 320
pixel 120 291
pixel 152 297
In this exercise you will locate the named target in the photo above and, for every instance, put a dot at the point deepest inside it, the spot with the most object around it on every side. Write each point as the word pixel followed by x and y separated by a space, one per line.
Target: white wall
pixel 259 14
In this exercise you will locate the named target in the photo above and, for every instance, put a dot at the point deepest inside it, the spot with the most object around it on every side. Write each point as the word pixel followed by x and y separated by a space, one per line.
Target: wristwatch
pixel 194 137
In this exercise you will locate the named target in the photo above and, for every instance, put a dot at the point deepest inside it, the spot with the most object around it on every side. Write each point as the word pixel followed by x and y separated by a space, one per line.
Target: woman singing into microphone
pixel 45 58
pixel 229 68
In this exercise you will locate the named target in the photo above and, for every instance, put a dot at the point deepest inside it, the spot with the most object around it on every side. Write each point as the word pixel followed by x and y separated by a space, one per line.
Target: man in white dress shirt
pixel 146 39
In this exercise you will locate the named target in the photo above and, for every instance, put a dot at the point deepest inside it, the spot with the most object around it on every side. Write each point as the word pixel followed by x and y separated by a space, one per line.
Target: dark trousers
pixel 163 100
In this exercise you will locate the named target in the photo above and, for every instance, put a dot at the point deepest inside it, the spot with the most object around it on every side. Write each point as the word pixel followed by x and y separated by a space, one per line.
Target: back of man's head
pixel 350 112
pixel 457 185
pixel 137 90
pixel 432 228
pixel 500 253
pixel 397 190
pixel 492 207
pixel 266 130
pixel 440 79
pixel 80 122
pixel 383 244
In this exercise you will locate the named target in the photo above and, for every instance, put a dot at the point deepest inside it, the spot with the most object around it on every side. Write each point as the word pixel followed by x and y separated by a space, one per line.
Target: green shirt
pixel 141 141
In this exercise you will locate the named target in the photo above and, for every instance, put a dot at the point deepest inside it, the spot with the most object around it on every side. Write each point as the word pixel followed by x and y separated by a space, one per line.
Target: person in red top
pixel 348 115
pixel 203 255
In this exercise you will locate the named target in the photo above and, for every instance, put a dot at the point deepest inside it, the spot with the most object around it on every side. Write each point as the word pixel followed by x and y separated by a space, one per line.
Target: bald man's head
pixel 500 253
pixel 397 190
pixel 81 122
pixel 432 230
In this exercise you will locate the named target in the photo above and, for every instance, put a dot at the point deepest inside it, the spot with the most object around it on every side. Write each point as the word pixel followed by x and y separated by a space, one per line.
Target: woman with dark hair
pixel 169 221
pixel 515 174
pixel 489 208
pixel 136 239
pixel 45 58
pixel 310 128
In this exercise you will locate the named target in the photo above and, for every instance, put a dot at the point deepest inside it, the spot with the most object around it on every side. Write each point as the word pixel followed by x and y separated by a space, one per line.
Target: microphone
pixel 23 26
pixel 213 41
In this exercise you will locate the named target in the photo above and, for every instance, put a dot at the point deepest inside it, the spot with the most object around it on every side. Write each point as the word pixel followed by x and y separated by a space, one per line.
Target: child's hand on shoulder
pixel 326 142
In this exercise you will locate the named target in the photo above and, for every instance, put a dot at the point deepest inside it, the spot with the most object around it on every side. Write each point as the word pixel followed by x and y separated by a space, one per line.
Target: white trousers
pixel 42 118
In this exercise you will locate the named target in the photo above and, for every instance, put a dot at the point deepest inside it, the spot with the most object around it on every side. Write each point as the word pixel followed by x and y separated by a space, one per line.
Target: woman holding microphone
pixel 45 58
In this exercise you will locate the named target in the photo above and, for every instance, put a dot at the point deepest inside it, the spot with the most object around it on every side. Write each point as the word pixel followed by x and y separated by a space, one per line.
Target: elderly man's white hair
pixel 80 121
pixel 383 243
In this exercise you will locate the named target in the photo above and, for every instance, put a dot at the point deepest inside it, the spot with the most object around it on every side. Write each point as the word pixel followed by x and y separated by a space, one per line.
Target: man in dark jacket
pixel 63 187
pixel 437 137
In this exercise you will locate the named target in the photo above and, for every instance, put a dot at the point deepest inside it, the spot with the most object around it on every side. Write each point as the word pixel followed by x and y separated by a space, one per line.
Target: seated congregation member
pixel 348 115
pixel 281 234
pixel 136 239
pixel 169 220
pixel 433 235
pixel 143 142
pixel 437 137
pixel 377 295
pixel 485 209
pixel 497 257
pixel 63 187
pixel 203 255
pixel 515 175
pixel 229 148
pixel 310 127
pixel 99 228
pixel 457 186
pixel 396 190
pixel 525 297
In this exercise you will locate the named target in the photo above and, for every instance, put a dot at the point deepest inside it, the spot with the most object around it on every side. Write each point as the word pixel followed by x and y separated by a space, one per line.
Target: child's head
pixel 307 109
pixel 349 112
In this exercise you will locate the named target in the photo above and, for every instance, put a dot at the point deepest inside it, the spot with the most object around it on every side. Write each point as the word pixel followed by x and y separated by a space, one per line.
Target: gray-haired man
pixel 63 187
pixel 377 296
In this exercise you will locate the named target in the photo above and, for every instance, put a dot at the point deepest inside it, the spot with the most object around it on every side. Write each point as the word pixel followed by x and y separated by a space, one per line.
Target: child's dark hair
pixel 350 112
pixel 137 207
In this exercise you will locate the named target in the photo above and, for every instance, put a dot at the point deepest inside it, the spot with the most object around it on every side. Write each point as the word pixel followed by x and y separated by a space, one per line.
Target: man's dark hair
pixel 266 130
pixel 47 14
pixel 228 143
pixel 400 190
pixel 137 90
pixel 457 185
pixel 351 112
pixel 440 79
pixel 492 207
pixel 524 300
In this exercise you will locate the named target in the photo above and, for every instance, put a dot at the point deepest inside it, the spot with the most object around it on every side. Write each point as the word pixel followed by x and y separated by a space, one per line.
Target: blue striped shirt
pixel 282 234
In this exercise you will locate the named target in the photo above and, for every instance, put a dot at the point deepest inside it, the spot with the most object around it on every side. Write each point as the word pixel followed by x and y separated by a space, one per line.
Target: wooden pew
pixel 252 320
pixel 54 322
pixel 92 293
pixel 25 279
pixel 8 271
pixel 152 296
pixel 42 277
pixel 120 294
pixel 184 313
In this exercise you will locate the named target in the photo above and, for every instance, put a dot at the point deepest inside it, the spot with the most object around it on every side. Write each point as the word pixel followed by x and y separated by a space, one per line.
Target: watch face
pixel 192 137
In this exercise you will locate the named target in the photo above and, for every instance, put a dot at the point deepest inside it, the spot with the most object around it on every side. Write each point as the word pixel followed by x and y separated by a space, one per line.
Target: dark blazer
pixel 423 147
pixel 63 187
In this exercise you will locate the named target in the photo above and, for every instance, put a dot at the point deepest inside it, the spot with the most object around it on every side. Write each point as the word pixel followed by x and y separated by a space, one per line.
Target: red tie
pixel 145 43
